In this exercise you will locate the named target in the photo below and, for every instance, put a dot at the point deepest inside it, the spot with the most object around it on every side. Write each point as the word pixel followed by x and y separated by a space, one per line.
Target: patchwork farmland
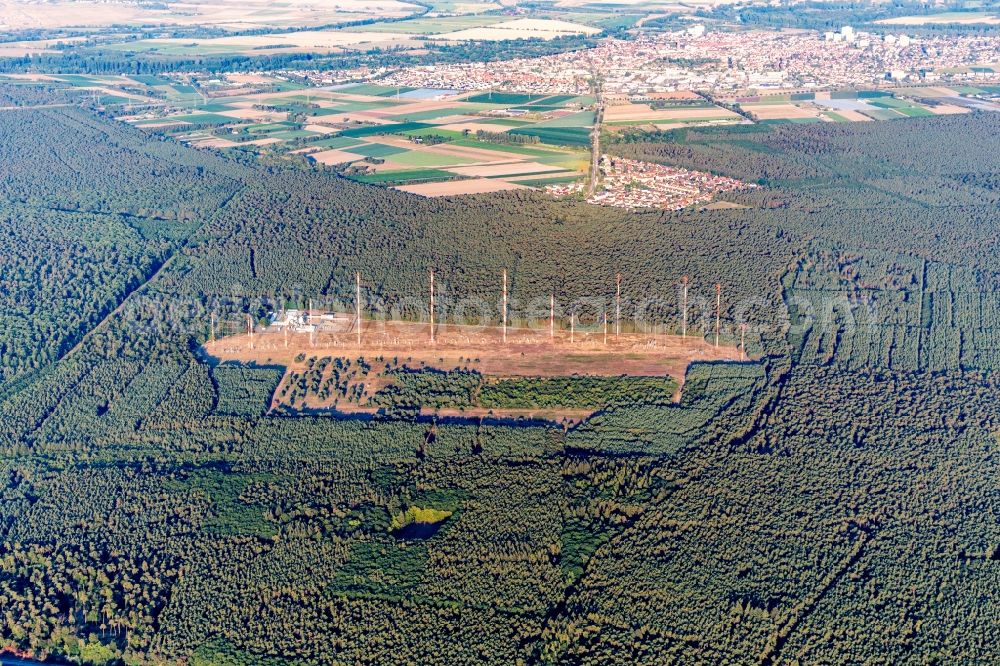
pixel 436 142
pixel 427 142
pixel 854 106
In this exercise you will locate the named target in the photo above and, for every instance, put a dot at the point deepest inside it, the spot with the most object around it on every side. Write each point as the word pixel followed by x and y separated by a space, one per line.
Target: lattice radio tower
pixel 432 305
pixel 552 317
pixel 718 310
pixel 357 303
pixel 618 305
pixel 684 306
pixel 504 313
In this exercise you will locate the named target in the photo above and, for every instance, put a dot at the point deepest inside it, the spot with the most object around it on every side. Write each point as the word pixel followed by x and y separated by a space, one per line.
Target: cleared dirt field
pixel 521 29
pixel 214 143
pixel 643 113
pixel 780 111
pixel 269 141
pixel 453 187
pixel 947 109
pixel 527 353
pixel 308 40
pixel 22 14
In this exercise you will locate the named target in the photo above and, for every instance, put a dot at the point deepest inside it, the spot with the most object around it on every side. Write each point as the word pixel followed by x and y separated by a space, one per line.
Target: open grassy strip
pixel 377 150
pixel 915 112
pixel 581 119
pixel 432 114
pixel 836 116
pixel 566 136
pixel 434 130
pixel 423 158
pixel 404 176
pixel 882 114
pixel 389 128
pixel 506 148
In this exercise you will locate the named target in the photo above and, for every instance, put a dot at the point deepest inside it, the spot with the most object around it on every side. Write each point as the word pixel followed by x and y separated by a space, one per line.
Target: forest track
pixel 119 308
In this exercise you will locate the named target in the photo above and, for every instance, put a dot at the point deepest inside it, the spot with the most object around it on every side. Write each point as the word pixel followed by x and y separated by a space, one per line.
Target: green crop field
pixel 511 99
pixel 377 150
pixel 388 128
pixel 336 142
pixel 507 148
pixel 433 114
pixel 407 176
pixel 419 158
pixel 560 136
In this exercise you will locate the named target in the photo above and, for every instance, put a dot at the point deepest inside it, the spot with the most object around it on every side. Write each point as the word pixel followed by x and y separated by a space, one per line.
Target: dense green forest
pixel 833 501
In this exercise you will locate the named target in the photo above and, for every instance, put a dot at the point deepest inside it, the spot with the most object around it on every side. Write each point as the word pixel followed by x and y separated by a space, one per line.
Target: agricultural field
pixel 527 28
pixel 412 138
pixel 854 106
pixel 306 41
pixel 22 15
pixel 945 18
pixel 666 113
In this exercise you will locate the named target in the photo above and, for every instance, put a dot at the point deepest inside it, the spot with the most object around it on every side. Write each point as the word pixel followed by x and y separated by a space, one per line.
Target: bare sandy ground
pixel 527 352
pixel 24 14
pixel 307 40
pixel 453 187
pixel 214 142
pixel 780 111
pixel 264 142
pixel 524 353
pixel 641 112
pixel 521 29
pixel 322 129
pixel 947 109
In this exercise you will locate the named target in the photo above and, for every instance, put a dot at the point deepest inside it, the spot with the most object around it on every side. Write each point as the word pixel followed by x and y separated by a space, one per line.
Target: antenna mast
pixel 250 330
pixel 357 302
pixel 743 342
pixel 505 306
pixel 618 305
pixel 684 310
pixel 552 317
pixel 432 305
pixel 718 309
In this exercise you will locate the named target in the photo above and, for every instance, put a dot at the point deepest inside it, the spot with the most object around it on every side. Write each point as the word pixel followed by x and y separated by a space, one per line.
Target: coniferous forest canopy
pixel 833 501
